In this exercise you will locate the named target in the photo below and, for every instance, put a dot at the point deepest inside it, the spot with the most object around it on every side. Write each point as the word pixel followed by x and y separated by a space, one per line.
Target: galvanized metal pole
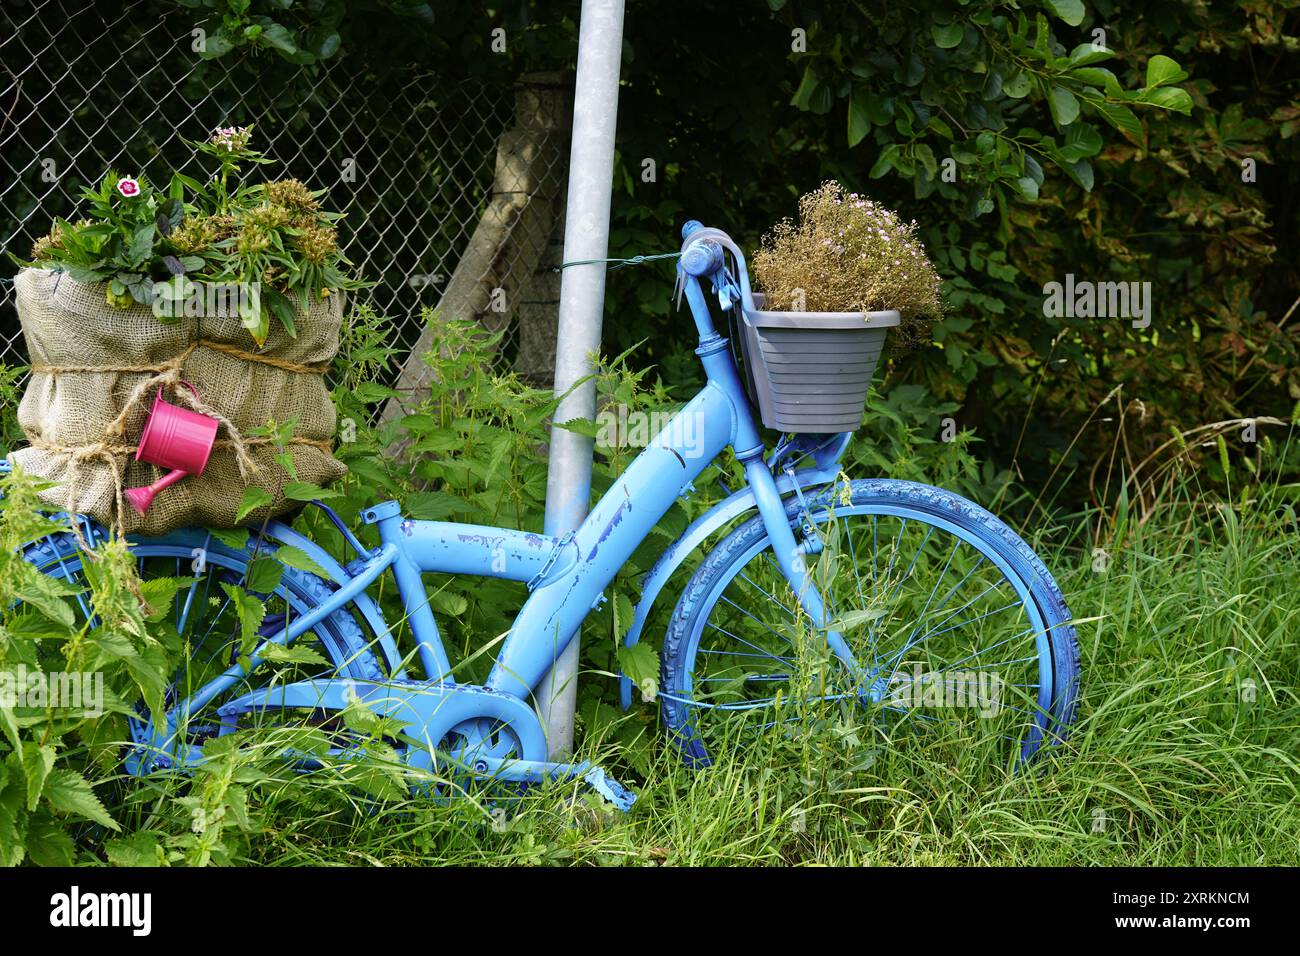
pixel 582 304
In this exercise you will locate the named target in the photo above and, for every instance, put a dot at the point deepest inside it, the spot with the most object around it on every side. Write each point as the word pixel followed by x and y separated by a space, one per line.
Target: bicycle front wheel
pixel 956 627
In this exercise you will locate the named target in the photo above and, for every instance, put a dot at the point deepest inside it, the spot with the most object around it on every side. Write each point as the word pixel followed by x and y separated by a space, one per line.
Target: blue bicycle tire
pixel 339 634
pixel 684 713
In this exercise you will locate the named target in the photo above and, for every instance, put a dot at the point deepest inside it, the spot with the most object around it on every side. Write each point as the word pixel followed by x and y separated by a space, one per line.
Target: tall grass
pixel 1185 752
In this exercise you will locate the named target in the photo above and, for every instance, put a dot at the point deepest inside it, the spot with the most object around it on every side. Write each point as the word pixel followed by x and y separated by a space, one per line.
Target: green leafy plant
pixel 119 242
pixel 12 378
pixel 271 241
pixel 303 36
pixel 47 748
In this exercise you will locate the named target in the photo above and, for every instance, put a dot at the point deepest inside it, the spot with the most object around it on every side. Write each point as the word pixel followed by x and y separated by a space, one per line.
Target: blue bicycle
pixel 900 603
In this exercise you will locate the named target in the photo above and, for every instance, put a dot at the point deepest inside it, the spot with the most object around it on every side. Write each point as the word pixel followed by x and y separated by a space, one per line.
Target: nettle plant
pixel 848 253
pixel 272 240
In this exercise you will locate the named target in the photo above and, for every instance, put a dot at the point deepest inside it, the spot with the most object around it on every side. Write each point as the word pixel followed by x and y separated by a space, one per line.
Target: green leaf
pixel 250 611
pixel 293 654
pixel 580 426
pixel 282 308
pixel 141 848
pixel 160 592
pixel 1017 87
pixel 148 670
pixel 1161 70
pixel 48 844
pixel 1100 77
pixel 1121 118
pixel 1081 173
pixel 884 162
pixel 215 45
pixel 85 274
pixel 822 100
pixel 286 461
pixel 10 728
pixel 855 619
pixel 1169 98
pixel 924 155
pixel 170 213
pixel 278 36
pixel 435 505
pixel 1071 11
pixel 912 71
pixel 622 611
pixel 859 118
pixel 306 491
pixel 1033 169
pixel 948 35
pixel 808 83
pixel 264 576
pixel 236 539
pixel 640 664
pixel 45 594
pixel 1064 106
pixel 1081 141
pixel 298 558
pixel 253 499
pixel 1086 53
pixel 329 46
pixel 449 602
pixel 37 762
pixel 254 318
pixel 141 244
pixel 70 792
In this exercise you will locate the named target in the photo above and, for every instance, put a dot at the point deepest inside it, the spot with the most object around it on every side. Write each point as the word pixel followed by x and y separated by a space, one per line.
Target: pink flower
pixel 231 139
pixel 128 187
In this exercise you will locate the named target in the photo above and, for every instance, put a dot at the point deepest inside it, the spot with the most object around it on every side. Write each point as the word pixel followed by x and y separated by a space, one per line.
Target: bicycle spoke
pixel 786 611
pixel 853 560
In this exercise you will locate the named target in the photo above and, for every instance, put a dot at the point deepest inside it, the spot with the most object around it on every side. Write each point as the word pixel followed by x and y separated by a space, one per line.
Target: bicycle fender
pixel 282 534
pixel 736 505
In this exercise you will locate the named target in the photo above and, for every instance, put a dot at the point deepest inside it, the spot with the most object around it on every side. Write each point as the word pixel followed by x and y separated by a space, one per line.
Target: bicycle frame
pixel 567 575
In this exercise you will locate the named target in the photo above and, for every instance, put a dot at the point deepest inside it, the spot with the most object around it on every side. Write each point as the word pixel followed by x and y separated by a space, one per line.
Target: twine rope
pixel 312 368
pixel 163 374
pixel 109 453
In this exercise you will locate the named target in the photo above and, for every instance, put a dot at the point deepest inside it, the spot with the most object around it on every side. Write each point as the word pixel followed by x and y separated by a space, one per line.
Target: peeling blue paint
pixel 615 520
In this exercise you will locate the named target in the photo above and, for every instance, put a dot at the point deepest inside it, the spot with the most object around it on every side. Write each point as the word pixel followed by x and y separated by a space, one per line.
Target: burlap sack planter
pixel 96 369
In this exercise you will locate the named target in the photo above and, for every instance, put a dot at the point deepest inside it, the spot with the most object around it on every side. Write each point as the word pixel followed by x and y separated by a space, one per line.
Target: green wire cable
pixel 633 261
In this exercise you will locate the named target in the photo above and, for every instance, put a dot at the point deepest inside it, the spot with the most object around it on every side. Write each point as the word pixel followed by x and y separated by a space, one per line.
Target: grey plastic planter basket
pixel 810 371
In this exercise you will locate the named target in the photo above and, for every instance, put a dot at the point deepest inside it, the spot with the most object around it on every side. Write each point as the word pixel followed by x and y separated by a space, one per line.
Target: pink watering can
pixel 175 438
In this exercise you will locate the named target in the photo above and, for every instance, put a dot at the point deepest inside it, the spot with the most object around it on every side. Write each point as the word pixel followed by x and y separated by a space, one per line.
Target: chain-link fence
pixel 451 188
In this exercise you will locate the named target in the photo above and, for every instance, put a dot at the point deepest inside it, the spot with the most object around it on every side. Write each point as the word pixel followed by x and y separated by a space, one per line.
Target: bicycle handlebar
pixel 702 258
pixel 704 255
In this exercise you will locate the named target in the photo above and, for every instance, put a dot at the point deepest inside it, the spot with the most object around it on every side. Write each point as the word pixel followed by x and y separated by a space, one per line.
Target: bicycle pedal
pixel 609 788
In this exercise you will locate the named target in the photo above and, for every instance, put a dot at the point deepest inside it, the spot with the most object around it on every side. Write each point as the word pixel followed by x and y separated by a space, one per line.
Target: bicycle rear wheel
pixel 206 624
pixel 957 629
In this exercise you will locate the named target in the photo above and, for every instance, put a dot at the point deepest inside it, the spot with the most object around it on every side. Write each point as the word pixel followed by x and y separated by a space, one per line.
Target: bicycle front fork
pixel 791 558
